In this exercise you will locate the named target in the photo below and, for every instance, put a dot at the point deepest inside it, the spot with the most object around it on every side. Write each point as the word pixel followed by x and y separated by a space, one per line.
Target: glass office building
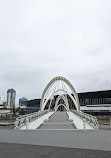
pixel 95 98
pixel 11 95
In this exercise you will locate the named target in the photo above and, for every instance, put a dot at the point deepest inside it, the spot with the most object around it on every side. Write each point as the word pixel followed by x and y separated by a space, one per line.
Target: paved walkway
pixel 81 139
pixel 10 150
pixel 59 120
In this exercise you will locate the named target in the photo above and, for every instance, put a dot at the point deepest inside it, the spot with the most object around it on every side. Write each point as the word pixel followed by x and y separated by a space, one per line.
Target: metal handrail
pixel 92 120
pixel 20 121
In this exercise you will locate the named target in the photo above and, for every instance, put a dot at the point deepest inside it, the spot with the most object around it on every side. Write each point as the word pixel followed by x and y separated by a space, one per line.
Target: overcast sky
pixel 41 39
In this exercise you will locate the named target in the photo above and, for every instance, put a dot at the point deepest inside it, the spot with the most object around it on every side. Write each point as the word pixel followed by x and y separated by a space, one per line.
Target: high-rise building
pixel 22 101
pixel 11 94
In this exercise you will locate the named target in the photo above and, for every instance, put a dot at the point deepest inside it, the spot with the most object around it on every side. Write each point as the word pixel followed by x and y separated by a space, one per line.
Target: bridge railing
pixel 20 121
pixel 91 120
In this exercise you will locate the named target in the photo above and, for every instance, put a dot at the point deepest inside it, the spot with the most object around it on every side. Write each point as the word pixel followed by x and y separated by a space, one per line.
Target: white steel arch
pixel 52 94
pixel 44 100
pixel 65 102
pixel 63 106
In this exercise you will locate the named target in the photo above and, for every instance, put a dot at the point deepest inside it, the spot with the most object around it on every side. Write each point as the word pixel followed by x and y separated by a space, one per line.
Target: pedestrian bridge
pixel 48 120
pixel 58 95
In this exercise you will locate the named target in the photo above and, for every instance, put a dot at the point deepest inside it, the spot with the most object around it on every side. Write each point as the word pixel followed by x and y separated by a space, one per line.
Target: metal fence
pixel 20 121
pixel 91 120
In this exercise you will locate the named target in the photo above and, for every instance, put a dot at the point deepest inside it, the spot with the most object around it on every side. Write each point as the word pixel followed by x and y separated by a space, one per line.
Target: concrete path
pixel 59 120
pixel 10 150
pixel 82 139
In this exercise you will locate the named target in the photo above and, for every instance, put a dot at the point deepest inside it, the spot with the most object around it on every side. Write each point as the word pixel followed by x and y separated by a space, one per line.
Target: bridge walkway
pixel 59 120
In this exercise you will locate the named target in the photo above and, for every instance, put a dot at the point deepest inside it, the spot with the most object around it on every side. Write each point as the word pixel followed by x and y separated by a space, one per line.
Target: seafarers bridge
pixel 53 118
pixel 59 131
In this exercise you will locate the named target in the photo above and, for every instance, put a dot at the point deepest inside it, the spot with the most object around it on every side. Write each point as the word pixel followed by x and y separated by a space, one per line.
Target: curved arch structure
pixel 48 87
pixel 65 102
pixel 61 105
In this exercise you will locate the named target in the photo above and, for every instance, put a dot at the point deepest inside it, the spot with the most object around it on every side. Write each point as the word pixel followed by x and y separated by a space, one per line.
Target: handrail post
pixel 84 124
pixel 27 123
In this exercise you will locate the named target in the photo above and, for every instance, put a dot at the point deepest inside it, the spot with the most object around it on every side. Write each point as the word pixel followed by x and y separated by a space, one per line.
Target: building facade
pixel 22 101
pixel 11 95
pixel 32 106
pixel 98 102
pixel 95 98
